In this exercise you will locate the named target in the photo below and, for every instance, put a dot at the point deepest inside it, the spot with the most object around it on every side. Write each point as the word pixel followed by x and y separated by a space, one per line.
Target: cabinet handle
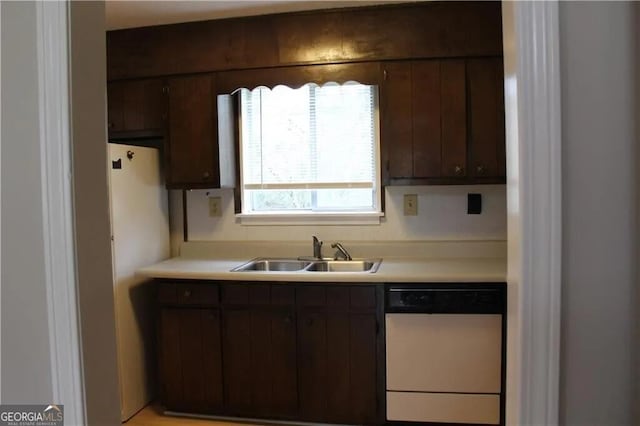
pixel 458 170
pixel 480 170
pixel 187 293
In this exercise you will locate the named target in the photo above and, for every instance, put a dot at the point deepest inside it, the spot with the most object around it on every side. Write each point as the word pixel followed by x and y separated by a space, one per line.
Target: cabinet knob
pixel 480 170
pixel 287 319
pixel 187 293
pixel 458 170
pixel 110 124
pixel 206 175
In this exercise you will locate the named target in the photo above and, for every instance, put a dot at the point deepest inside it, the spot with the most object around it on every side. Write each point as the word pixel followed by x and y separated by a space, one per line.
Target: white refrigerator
pixel 140 237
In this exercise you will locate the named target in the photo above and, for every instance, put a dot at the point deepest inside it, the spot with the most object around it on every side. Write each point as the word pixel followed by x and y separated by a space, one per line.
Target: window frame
pixel 310 217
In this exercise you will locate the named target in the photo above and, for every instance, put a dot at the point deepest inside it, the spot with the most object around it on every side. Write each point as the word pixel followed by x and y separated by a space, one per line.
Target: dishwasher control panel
pixel 446 299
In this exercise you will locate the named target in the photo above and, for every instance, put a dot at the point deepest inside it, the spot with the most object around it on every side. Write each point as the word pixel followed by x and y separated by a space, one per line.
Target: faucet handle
pixel 341 252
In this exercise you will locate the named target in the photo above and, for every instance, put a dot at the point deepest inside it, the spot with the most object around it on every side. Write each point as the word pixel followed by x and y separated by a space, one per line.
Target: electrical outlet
pixel 215 206
pixel 410 205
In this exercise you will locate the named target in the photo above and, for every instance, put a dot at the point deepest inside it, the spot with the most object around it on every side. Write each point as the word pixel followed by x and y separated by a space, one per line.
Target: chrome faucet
pixel 317 248
pixel 341 252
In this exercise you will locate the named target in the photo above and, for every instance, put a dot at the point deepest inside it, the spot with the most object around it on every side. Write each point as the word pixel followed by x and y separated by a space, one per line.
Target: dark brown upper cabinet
pixel 135 109
pixel 438 29
pixel 485 80
pixel 192 135
pixel 437 64
pixel 442 122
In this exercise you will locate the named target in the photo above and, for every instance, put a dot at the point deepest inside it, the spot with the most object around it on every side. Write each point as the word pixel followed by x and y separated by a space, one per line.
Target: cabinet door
pixel 439 118
pixel 363 363
pixel 283 365
pixel 236 344
pixel 192 152
pixel 486 122
pixel 190 360
pixel 337 367
pixel 453 103
pixel 136 107
pixel 426 114
pixel 312 365
pixel 424 120
pixel 260 362
pixel 396 121
pixel 115 107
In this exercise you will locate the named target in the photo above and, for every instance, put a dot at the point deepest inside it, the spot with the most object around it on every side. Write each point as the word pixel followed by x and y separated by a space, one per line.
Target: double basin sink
pixel 263 264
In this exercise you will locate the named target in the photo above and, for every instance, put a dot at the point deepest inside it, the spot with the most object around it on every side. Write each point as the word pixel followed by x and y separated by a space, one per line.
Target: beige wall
pixel 26 375
pixel 442 215
pixel 93 233
pixel 599 307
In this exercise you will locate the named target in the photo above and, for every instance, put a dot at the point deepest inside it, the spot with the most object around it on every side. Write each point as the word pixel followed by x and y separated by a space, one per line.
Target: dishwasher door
pixel 444 367
pixel 444 352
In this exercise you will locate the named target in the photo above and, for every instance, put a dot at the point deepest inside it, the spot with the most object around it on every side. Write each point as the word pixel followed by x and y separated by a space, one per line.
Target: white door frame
pixel 532 95
pixel 534 210
pixel 57 208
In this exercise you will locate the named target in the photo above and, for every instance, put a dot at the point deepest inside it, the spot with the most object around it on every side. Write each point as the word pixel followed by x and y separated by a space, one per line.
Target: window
pixel 311 150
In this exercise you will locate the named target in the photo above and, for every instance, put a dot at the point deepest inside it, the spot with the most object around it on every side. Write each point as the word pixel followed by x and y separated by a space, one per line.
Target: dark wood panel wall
pixel 415 30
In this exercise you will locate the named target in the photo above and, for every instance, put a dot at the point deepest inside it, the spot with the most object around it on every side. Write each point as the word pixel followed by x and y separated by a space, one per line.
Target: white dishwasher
pixel 444 353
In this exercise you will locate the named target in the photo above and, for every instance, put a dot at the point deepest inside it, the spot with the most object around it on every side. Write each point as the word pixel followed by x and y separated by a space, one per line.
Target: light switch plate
pixel 410 205
pixel 215 206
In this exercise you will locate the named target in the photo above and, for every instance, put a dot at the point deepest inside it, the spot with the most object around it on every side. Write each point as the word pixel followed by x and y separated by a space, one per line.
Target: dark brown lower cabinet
pixel 337 367
pixel 259 353
pixel 337 356
pixel 190 361
pixel 290 352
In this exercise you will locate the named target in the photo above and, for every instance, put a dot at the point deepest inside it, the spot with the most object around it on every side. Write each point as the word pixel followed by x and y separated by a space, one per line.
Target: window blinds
pixel 311 138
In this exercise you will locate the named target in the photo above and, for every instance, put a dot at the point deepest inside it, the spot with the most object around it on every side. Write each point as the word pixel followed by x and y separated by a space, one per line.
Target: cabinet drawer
pixel 235 294
pixel 197 294
pixel 311 296
pixel 258 294
pixel 167 293
pixel 363 297
pixel 283 295
pixel 337 297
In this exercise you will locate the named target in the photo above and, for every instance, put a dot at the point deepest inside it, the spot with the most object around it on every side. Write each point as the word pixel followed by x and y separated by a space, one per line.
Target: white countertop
pixel 410 262
pixel 416 270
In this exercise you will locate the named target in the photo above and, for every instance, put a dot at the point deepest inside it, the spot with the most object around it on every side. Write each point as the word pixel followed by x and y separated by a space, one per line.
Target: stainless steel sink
pixel 280 265
pixel 297 265
pixel 344 266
